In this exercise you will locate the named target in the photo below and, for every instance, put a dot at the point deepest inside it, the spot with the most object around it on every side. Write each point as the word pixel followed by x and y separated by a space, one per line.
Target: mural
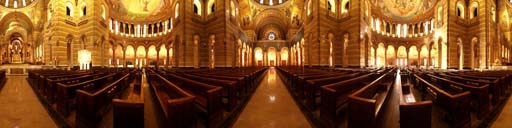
pixel 137 8
pixel 404 9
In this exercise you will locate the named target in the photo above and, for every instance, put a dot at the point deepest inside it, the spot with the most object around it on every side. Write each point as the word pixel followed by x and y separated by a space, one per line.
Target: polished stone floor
pixel 271 106
pixel 504 119
pixel 19 106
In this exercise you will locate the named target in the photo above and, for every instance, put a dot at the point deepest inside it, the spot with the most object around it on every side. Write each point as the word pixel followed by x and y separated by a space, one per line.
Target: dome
pixel 270 2
pixel 403 9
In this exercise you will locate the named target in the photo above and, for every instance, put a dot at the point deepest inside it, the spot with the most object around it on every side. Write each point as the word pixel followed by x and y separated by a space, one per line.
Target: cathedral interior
pixel 255 63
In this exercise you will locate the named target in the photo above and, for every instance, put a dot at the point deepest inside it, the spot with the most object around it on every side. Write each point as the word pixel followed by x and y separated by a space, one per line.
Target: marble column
pixel 124 58
pixel 385 56
pixel 134 63
pixel 146 59
pixel 429 58
pixel 375 57
pixel 167 59
pixel 407 54
pixel 157 57
pixel 114 62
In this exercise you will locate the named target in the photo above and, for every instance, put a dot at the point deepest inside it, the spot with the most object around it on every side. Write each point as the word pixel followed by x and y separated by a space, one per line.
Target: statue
pixel 145 2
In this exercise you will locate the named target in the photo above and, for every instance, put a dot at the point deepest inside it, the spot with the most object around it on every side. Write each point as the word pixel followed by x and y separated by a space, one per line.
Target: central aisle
pixel 271 106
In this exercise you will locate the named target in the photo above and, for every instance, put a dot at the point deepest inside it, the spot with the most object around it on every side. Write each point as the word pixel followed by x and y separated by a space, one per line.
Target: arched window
pixel 211 7
pixel 331 6
pixel 84 11
pixel 177 10
pixel 345 6
pixel 309 7
pixel 460 10
pixel 49 13
pixel 103 12
pixel 474 10
pixel 493 14
pixel 233 8
pixel 197 7
pixel 69 9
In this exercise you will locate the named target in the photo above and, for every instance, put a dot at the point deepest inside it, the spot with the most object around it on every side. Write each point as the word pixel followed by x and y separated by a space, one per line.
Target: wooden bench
pixel 91 101
pixel 366 104
pixel 50 88
pixel 479 94
pixel 230 88
pixel 334 95
pixel 66 93
pixel 208 97
pixel 129 111
pixel 176 103
pixel 312 87
pixel 455 101
pixel 496 84
pixel 413 113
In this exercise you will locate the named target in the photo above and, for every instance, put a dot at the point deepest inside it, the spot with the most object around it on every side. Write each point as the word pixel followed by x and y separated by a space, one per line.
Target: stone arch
pixel 401 56
pixel 390 55
pixel 413 56
pixel 69 8
pixel 331 6
pixel 285 53
pixel 380 57
pixel 272 56
pixel 211 7
pixel 197 7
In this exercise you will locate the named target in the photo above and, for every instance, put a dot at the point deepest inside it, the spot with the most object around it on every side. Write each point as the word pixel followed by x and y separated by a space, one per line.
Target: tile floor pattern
pixel 271 106
pixel 19 106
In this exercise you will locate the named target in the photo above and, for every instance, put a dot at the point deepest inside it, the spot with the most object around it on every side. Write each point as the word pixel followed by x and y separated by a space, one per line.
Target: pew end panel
pixel 128 113
pixel 416 115
pixel 362 112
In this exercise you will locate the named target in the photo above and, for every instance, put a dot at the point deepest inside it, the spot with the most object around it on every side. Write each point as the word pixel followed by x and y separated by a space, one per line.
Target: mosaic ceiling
pixel 404 9
pixel 136 9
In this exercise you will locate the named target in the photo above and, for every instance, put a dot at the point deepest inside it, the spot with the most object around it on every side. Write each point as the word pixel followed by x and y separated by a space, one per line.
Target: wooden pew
pixel 479 94
pixel 208 97
pixel 66 93
pixel 176 103
pixel 312 87
pixel 496 84
pixel 243 83
pixel 455 101
pixel 230 88
pixel 413 113
pixel 91 101
pixel 336 94
pixel 50 88
pixel 366 104
pixel 129 111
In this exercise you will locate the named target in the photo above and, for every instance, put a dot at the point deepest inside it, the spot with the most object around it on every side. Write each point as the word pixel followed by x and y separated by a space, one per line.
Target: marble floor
pixel 504 119
pixel 20 108
pixel 271 106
